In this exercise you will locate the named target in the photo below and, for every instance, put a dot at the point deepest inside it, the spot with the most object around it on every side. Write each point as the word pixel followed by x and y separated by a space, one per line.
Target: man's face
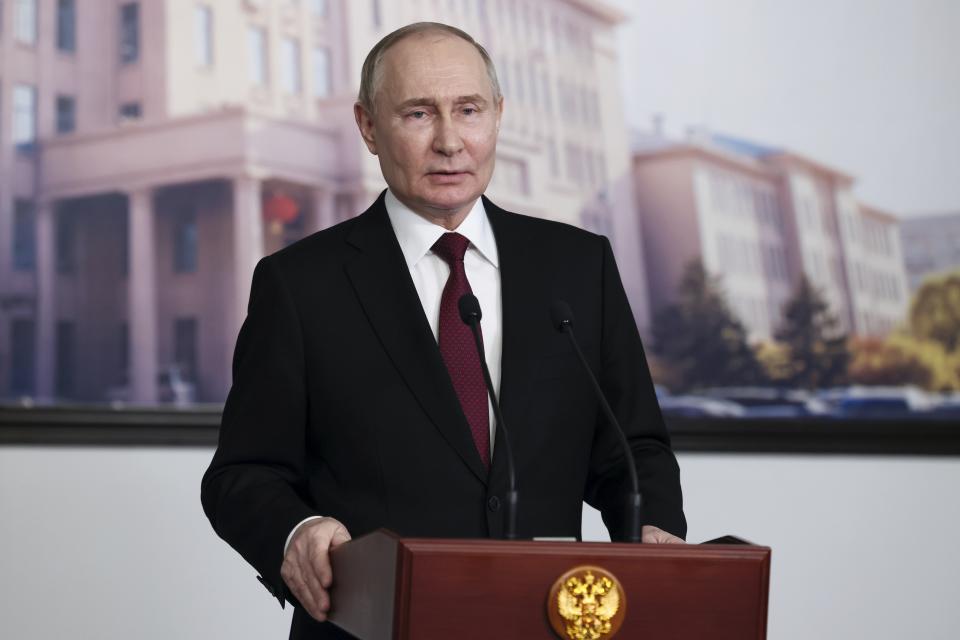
pixel 435 125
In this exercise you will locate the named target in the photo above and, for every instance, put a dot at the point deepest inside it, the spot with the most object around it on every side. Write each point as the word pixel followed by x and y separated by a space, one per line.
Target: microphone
pixel 562 318
pixel 470 315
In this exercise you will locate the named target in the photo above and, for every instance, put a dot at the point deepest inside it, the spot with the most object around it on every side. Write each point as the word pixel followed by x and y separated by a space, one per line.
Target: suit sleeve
pixel 625 378
pixel 253 490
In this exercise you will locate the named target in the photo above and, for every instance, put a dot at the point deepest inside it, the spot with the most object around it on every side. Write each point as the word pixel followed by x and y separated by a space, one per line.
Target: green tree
pixel 935 310
pixel 818 353
pixel 699 339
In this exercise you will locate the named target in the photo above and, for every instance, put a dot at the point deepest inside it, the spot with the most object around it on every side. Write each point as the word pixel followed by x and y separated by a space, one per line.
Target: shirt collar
pixel 416 234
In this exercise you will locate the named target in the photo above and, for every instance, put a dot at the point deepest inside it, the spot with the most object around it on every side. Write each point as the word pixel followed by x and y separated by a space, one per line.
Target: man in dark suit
pixel 357 398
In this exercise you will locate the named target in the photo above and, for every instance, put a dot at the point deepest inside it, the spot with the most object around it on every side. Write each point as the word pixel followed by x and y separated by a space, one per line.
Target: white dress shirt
pixel 429 272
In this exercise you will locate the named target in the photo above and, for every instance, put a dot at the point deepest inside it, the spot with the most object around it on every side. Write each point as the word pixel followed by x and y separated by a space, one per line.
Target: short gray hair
pixel 372 73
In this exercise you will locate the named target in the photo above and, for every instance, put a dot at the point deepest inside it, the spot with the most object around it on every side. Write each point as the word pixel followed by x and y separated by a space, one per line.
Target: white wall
pixel 103 544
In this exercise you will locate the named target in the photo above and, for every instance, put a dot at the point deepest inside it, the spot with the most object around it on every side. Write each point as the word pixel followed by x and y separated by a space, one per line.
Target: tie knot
pixel 451 247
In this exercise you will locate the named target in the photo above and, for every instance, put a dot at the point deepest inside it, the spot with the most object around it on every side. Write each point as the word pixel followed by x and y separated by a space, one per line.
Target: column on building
pixel 324 210
pixel 248 246
pixel 46 318
pixel 142 298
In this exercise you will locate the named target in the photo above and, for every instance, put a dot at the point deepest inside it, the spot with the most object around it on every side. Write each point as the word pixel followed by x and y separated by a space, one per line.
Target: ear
pixel 499 112
pixel 365 124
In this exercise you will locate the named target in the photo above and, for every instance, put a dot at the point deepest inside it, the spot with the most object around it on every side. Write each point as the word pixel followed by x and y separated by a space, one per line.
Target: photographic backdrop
pixel 778 181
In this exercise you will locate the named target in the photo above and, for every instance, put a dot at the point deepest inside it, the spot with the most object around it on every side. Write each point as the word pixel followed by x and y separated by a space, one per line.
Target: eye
pixel 417 115
pixel 469 111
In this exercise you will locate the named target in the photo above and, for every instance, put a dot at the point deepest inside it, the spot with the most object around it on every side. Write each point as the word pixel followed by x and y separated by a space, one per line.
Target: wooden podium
pixel 392 588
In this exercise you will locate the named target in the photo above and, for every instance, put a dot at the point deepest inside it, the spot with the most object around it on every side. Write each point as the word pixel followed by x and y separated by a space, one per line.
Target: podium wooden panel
pixel 392 588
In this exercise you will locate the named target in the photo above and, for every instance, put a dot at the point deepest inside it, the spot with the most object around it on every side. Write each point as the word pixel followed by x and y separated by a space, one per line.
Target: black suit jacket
pixel 342 406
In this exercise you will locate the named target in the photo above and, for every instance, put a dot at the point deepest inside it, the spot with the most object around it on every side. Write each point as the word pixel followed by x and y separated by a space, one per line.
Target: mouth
pixel 447 177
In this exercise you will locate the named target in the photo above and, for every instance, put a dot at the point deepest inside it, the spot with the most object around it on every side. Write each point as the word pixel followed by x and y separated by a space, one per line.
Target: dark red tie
pixel 457 347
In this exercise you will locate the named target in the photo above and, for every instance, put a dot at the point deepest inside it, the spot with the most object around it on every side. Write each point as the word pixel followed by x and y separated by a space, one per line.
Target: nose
pixel 446 139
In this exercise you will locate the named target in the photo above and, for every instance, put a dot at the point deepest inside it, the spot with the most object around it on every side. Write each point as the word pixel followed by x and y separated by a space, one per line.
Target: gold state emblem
pixel 586 603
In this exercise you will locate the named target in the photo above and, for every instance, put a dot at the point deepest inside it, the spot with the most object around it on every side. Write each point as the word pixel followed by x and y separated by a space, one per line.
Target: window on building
pixel 67 25
pixel 203 35
pixel 512 174
pixel 66 114
pixel 545 93
pixel 25 21
pixel 123 232
pixel 534 87
pixel 66 240
pixel 185 246
pixel 129 32
pixel 553 157
pixel 504 76
pixel 321 72
pixel 123 353
pixel 290 58
pixel 185 347
pixel 66 346
pixel 24 117
pixel 318 8
pixel 130 111
pixel 375 13
pixel 518 77
pixel 573 163
pixel 22 356
pixel 24 236
pixel 257 56
pixel 589 168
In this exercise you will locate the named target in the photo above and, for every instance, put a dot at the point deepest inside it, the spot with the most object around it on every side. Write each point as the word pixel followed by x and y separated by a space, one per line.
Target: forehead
pixel 433 65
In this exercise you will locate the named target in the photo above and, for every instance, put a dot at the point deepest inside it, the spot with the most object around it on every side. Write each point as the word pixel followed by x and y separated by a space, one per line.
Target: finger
pixel 320 565
pixel 340 536
pixel 305 586
pixel 318 594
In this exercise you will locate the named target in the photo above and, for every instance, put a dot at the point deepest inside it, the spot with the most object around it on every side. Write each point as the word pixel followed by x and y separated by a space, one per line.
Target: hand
pixel 306 564
pixel 654 535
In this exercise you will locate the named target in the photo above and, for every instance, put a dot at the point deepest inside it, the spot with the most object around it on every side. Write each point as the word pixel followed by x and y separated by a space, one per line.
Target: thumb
pixel 340 536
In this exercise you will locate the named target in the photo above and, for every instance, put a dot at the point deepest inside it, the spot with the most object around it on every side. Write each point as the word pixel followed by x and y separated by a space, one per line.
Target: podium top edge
pixel 536 547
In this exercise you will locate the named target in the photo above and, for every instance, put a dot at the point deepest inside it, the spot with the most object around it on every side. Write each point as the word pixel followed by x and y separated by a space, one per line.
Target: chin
pixel 451 201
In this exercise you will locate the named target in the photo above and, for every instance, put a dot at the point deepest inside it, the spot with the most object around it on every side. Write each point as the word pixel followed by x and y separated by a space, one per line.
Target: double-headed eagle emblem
pixel 587 602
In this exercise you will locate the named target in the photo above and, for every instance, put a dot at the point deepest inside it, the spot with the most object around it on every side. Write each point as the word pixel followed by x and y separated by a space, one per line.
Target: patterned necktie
pixel 457 346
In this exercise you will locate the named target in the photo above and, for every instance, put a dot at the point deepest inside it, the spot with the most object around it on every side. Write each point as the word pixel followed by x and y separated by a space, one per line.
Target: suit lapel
pixel 521 322
pixel 385 289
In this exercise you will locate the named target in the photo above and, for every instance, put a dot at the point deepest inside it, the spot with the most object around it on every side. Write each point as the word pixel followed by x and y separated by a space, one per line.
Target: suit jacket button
pixel 493 503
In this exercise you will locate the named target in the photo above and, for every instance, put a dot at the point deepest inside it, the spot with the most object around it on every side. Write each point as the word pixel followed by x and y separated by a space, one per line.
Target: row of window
pixel 875 282
pixel 65 113
pixel 871 234
pixel 516 21
pixel 258 62
pixel 743 256
pixel 813 214
pixel 26 21
pixel 733 195
pixel 186 247
pixel 527 83
pixel 824 269
pixel 23 335
pixel 585 167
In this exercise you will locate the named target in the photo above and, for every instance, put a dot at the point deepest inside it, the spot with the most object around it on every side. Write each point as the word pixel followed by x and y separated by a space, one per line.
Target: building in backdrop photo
pixel 779 184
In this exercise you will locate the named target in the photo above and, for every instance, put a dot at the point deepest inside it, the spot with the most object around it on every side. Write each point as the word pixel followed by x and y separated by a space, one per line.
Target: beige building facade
pixel 142 144
pixel 760 218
